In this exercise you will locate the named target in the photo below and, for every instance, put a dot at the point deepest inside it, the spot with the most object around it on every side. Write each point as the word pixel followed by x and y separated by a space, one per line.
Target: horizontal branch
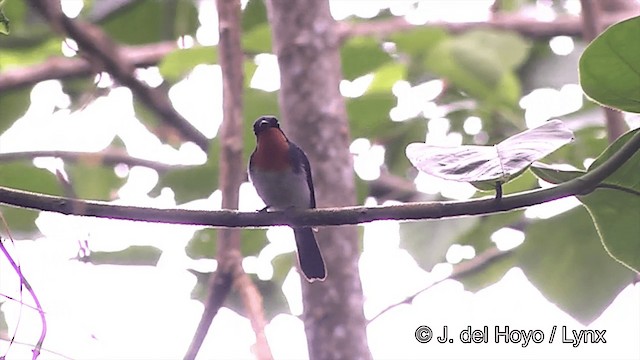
pixel 108 157
pixel 67 68
pixel 526 26
pixel 328 216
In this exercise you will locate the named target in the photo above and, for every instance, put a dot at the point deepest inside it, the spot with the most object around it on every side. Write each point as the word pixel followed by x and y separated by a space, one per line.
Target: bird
pixel 281 174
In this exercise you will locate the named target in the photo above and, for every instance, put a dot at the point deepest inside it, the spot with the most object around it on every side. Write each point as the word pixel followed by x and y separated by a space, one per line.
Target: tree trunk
pixel 314 117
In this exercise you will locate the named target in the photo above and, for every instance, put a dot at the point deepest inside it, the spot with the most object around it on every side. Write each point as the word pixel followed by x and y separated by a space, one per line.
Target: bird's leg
pixel 264 209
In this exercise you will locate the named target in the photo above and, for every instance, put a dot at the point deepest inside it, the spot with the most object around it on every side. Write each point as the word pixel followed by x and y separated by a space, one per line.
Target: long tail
pixel 309 255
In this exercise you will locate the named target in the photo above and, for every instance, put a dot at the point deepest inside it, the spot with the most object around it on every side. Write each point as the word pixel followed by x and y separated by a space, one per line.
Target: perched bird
pixel 281 174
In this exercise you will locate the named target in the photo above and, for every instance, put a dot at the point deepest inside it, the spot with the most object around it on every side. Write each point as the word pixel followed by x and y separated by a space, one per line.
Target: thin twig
pixel 461 270
pixel 27 285
pixel 45 350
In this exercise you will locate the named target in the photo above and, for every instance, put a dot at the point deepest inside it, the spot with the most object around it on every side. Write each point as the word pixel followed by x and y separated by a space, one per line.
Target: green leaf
pixel 369 114
pixel 253 15
pixel 258 39
pixel 615 214
pixel 479 236
pixel 386 76
pixel 178 63
pixel 273 299
pixel 564 259
pixel 481 63
pixel 93 180
pixel 428 241
pixel 360 56
pixel 614 206
pixel 192 182
pixel 419 40
pixel 553 174
pixel 491 164
pixel 20 221
pixel 147 21
pixel 27 177
pixel 509 47
pixel 203 245
pixel 616 210
pixel 488 274
pixel 13 105
pixel 131 256
pixel 610 67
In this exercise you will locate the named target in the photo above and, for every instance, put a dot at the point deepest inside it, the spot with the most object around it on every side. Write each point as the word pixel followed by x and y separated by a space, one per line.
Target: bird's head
pixel 264 123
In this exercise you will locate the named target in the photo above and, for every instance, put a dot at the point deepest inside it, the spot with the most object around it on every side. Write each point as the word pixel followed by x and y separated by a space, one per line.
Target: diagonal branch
pixel 469 267
pixel 106 54
pixel 328 216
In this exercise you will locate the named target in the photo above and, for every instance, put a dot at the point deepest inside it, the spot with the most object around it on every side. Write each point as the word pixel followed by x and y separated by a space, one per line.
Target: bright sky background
pixel 146 312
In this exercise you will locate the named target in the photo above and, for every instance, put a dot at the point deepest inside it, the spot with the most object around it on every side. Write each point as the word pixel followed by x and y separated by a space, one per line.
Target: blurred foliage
pixel 484 74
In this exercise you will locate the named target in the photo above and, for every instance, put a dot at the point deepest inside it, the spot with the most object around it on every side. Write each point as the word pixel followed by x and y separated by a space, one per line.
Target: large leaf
pixel 253 15
pixel 418 40
pixel 273 299
pixel 131 256
pixel 614 205
pixel 479 236
pixel 21 221
pixel 616 210
pixel 369 114
pixel 93 180
pixel 147 21
pixel 564 259
pixel 610 67
pixel 360 56
pixel 178 63
pixel 258 39
pixel 192 182
pixel 386 76
pixel 203 245
pixel 481 63
pixel 428 241
pixel 25 177
pixel 13 105
pixel 499 163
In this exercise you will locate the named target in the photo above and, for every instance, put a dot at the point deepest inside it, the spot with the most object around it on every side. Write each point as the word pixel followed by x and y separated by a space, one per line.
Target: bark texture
pixel 306 42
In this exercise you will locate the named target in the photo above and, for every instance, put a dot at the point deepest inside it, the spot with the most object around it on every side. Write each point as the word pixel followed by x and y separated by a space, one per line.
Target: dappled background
pixel 122 289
